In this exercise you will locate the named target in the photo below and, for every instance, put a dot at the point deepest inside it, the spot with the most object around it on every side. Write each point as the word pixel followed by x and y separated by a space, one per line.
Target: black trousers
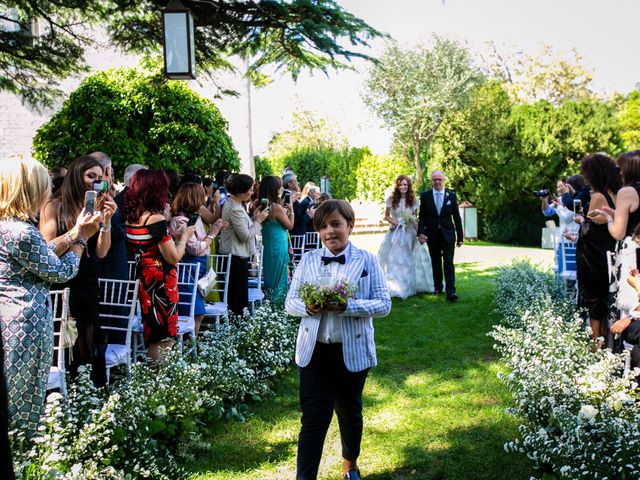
pixel 326 385
pixel 238 297
pixel 442 259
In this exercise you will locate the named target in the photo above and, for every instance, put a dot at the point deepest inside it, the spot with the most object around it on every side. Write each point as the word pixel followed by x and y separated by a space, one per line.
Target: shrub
pixel 376 173
pixel 138 117
pixel 579 412
pixel 141 427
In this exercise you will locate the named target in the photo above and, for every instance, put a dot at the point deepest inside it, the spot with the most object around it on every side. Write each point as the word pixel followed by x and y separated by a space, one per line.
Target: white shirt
pixel 330 329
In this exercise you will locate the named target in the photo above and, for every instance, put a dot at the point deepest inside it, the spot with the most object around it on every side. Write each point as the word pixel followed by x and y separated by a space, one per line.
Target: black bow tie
pixel 339 259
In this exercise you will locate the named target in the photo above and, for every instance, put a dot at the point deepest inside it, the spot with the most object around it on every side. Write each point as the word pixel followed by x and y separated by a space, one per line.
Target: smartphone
pixel 193 218
pixel 90 201
pixel 101 186
pixel 577 206
pixel 287 198
pixel 264 203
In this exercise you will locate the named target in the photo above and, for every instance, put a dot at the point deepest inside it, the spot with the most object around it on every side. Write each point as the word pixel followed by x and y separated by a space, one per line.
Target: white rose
pixel 589 412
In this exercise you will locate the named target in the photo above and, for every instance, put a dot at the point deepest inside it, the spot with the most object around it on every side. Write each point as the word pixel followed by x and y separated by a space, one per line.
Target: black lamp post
pixel 179 47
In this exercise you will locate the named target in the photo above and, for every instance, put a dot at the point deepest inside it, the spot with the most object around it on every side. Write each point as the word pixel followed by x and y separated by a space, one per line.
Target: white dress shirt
pixel 330 329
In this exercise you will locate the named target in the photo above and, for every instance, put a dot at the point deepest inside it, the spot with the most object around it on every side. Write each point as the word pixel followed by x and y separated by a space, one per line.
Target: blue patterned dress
pixel 27 268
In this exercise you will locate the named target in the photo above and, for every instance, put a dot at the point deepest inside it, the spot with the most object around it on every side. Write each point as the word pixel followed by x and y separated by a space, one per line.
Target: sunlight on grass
pixel 434 408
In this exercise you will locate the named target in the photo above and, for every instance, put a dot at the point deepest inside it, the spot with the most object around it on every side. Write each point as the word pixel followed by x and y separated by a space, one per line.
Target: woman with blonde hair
pixel 28 266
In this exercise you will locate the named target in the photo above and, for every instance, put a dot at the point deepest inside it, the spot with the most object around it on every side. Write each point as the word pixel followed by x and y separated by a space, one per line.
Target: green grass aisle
pixel 434 408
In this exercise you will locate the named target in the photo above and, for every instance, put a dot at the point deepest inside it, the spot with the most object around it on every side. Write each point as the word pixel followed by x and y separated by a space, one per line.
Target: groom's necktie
pixel 439 201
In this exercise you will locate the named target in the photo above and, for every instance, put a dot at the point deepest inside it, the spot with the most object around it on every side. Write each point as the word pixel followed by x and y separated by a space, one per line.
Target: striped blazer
pixel 371 300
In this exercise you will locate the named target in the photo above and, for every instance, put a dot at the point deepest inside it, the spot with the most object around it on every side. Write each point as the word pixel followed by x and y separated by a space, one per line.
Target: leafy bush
pixel 141 427
pixel 376 173
pixel 579 412
pixel 138 117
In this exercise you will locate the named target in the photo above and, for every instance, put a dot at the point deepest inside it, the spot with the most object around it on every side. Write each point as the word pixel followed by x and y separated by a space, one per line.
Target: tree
pixel 496 151
pixel 139 117
pixel 413 90
pixel 629 117
pixel 292 35
pixel 549 75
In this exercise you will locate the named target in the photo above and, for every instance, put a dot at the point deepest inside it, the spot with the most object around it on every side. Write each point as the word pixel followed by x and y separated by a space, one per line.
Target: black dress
pixel 592 266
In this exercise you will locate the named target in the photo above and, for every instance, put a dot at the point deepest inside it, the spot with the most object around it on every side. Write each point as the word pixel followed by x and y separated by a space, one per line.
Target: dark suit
pixel 441 230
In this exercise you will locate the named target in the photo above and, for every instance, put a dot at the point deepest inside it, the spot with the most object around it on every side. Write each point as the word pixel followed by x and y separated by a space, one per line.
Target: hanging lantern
pixel 179 46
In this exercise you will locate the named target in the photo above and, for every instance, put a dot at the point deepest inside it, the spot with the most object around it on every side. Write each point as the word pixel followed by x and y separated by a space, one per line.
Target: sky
pixel 603 32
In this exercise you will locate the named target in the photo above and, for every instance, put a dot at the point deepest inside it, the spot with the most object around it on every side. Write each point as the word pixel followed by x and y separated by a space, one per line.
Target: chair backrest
pixel 188 274
pixel 255 267
pixel 132 269
pixel 297 245
pixel 118 300
pixel 60 312
pixel 568 256
pixel 221 264
pixel 311 241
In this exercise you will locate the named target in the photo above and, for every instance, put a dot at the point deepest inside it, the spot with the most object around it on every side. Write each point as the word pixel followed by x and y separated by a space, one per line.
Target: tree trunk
pixel 417 162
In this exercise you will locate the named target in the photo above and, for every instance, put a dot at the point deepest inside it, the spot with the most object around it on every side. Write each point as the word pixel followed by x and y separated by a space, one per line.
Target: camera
pixel 541 193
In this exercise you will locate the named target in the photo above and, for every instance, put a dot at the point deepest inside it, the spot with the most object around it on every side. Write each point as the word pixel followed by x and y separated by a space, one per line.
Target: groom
pixel 438 213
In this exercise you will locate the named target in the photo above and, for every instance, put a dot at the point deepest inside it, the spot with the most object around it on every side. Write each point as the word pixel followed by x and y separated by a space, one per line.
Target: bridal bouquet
pixel 407 220
pixel 326 295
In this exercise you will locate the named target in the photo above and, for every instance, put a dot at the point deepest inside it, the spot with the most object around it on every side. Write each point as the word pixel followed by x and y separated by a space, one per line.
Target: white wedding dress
pixel 406 264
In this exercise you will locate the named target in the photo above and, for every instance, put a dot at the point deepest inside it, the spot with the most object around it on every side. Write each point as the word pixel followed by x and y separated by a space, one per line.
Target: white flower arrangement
pixel 579 412
pixel 138 428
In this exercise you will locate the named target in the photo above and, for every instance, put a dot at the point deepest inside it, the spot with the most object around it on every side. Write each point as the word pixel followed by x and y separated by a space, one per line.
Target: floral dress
pixel 28 266
pixel 158 281
pixel 406 264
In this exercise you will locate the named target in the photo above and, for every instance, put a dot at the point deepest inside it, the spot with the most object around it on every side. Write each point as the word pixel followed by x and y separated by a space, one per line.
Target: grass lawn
pixel 434 408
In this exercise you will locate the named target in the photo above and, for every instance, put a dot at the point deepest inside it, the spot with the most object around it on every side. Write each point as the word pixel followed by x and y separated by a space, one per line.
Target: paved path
pixel 484 256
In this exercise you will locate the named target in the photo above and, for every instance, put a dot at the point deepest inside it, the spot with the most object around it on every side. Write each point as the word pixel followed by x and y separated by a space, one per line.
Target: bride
pixel 405 263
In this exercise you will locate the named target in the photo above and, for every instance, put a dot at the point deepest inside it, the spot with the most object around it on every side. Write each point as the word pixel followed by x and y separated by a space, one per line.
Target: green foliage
pixel 376 173
pixel 139 117
pixel 263 168
pixel 629 117
pixel 412 90
pixel 292 36
pixel 495 152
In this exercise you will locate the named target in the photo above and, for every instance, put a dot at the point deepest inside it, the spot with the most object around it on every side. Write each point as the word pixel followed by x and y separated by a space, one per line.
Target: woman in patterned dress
pixel 156 258
pixel 28 266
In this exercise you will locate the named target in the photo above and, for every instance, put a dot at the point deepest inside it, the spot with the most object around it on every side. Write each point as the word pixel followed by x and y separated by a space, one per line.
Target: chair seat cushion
pixel 255 295
pixel 55 378
pixel 116 354
pixel 216 309
pixel 186 325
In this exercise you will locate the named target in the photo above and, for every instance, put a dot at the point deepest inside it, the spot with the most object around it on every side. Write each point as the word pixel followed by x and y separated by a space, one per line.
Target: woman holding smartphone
pixel 275 238
pixel 184 213
pixel 58 226
pixel 601 172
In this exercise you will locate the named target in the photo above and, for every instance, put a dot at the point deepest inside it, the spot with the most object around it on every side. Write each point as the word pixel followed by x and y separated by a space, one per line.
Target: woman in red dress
pixel 156 258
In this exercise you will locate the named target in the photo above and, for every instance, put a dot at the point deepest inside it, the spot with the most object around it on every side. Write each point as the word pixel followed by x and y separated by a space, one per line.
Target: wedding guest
pixel 405 263
pixel 189 198
pixel 28 267
pixel 621 223
pixel 308 198
pixel 156 256
pixel 275 238
pixel 335 347
pixel 57 224
pixel 594 240
pixel 128 174
pixel 291 195
pixel 239 239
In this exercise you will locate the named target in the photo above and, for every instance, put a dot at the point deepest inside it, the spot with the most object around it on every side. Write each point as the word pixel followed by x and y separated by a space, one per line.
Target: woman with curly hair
pixel 406 264
pixel 620 224
pixel 156 256
pixel 602 174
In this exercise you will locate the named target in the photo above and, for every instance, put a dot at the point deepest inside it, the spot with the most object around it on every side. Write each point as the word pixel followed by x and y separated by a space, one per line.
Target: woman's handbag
pixel 206 283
